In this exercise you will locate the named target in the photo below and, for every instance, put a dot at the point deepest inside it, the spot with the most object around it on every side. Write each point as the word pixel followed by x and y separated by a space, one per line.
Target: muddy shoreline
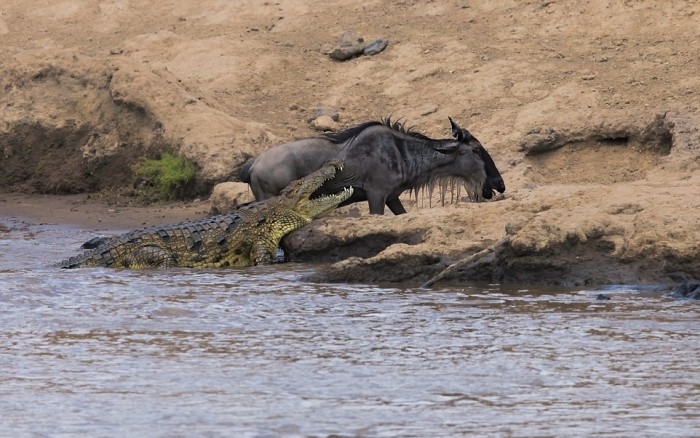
pixel 92 213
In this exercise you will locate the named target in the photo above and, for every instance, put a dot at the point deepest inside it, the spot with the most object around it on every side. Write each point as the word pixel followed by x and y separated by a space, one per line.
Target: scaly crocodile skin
pixel 248 236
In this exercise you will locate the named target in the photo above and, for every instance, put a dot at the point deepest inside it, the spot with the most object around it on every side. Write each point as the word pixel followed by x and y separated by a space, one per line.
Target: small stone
pixel 375 46
pixel 349 45
pixel 327 111
pixel 227 196
pixel 324 123
pixel 428 109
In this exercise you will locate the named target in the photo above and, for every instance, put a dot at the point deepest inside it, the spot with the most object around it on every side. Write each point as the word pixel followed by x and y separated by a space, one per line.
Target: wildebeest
pixel 382 159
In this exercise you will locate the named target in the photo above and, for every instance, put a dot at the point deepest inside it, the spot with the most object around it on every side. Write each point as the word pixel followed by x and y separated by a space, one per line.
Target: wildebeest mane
pixel 346 134
pixel 396 125
pixel 352 132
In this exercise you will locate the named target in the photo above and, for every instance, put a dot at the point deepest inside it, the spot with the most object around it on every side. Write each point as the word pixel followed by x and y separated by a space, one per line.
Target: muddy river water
pixel 258 353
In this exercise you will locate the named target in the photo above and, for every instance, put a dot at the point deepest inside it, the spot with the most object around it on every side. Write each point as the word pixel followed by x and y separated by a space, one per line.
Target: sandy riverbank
pixel 589 110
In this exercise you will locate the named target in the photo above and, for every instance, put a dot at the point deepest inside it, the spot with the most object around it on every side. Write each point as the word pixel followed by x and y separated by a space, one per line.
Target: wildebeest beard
pixel 475 191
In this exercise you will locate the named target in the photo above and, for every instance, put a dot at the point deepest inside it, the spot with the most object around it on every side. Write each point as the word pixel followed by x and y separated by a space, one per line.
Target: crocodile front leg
pixel 260 254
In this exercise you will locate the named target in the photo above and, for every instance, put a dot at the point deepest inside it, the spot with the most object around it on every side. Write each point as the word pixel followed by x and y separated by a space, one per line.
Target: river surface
pixel 259 353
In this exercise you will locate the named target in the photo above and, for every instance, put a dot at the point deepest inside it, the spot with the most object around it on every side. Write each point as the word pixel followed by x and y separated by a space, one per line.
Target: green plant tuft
pixel 171 176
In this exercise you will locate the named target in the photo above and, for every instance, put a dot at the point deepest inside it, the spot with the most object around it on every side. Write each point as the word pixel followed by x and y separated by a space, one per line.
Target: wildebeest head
pixel 494 181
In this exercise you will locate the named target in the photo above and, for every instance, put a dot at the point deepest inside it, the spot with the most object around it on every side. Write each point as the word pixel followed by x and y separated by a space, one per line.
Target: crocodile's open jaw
pixel 311 206
pixel 325 203
pixel 305 188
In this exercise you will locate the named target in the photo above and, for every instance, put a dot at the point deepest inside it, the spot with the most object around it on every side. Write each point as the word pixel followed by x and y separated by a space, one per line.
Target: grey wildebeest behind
pixel 381 160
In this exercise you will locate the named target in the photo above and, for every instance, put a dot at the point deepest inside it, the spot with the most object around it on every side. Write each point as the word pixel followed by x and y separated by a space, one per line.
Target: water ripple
pixel 256 352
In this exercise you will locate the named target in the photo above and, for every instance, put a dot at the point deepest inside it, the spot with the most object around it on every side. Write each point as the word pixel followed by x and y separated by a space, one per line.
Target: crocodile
pixel 247 236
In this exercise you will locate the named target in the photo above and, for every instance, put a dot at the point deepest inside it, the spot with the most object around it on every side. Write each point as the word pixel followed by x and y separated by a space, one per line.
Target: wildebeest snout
pixel 491 184
pixel 498 184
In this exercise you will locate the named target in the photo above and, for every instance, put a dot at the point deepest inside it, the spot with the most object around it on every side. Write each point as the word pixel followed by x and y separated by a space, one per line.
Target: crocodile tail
pixel 244 173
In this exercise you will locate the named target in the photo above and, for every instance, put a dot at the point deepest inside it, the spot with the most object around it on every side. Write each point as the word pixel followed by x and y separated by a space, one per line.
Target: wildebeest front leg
pixel 376 202
pixel 395 205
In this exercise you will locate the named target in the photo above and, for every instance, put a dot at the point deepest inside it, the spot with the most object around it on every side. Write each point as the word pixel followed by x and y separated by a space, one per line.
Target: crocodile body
pixel 248 236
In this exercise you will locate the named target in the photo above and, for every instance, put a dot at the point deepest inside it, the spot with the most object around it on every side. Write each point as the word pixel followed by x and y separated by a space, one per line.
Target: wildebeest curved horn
pixel 458 132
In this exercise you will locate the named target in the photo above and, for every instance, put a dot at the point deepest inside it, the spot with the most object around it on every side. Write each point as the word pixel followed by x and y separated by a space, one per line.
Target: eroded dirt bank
pixel 590 111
